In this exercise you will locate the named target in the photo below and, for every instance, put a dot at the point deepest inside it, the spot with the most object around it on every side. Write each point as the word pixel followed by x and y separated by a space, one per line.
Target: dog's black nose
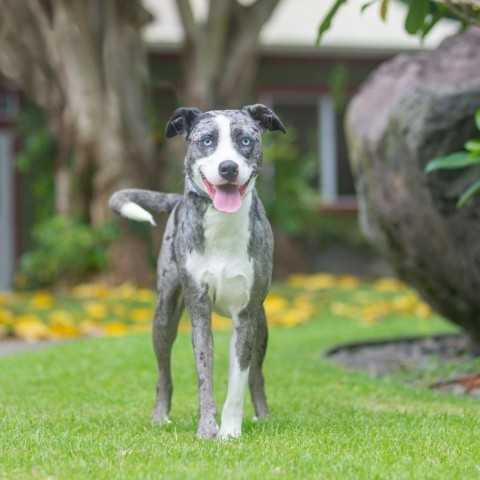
pixel 228 170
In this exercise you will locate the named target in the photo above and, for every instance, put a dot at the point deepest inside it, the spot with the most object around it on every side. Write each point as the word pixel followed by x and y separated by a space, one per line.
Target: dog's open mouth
pixel 228 197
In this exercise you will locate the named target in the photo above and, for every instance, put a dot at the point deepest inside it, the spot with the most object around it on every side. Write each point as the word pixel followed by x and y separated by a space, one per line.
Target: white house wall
pixel 295 24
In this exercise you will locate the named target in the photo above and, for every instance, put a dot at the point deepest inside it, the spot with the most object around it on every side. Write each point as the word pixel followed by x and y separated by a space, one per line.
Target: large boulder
pixel 413 108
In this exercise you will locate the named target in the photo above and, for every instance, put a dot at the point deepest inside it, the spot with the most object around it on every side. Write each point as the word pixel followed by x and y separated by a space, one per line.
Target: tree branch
pixel 466 10
pixel 188 21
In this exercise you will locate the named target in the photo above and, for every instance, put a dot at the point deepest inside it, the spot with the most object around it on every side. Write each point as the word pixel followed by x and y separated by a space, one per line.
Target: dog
pixel 216 255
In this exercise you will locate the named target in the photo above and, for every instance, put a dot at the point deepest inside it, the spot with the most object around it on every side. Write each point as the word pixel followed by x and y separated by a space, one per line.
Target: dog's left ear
pixel 181 121
pixel 264 117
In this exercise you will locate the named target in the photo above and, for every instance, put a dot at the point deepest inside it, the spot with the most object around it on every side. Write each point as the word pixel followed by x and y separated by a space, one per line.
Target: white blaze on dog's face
pixel 224 156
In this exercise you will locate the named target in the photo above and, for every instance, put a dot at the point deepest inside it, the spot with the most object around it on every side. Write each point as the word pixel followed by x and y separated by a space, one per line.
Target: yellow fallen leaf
pixel 347 281
pixel 145 295
pixel 91 290
pixel 115 328
pixel 388 284
pixel 7 298
pixel 127 290
pixel 319 281
pixel 60 316
pixel 96 309
pixel 140 328
pixel 65 330
pixel 405 304
pixel 6 317
pixel 275 303
pixel 42 300
pixel 91 328
pixel 423 310
pixel 62 325
pixel 141 314
pixel 221 323
pixel 29 327
pixel 344 310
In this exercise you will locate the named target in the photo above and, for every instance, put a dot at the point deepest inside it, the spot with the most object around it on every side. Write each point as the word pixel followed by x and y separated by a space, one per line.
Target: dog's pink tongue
pixel 227 198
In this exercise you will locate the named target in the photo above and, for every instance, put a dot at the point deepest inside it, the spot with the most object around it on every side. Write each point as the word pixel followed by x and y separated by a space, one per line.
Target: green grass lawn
pixel 82 409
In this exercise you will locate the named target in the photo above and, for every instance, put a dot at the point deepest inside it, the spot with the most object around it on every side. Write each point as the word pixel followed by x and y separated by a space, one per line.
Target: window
pixel 8 105
pixel 318 115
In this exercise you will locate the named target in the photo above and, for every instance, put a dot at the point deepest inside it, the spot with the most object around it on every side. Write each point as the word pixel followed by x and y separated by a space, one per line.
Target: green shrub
pixel 65 251
pixel 287 190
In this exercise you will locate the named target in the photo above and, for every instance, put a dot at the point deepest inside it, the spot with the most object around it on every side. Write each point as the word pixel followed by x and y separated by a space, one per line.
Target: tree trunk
pixel 221 55
pixel 412 109
pixel 84 63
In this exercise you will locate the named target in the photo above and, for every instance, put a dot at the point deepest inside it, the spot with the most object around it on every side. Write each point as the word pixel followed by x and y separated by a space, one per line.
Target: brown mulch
pixel 412 354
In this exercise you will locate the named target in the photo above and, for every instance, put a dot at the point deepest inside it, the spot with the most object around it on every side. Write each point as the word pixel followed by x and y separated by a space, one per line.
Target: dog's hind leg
pixel 255 380
pixel 167 315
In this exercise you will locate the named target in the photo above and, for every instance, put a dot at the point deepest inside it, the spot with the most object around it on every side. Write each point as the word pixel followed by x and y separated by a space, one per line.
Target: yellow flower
pixel 344 310
pixel 145 295
pixel 141 314
pixel 275 304
pixel 5 316
pixel 375 312
pixel 115 328
pixel 91 328
pixel 120 311
pixel 96 309
pixel 221 323
pixel 127 290
pixel 319 281
pixel 91 290
pixel 140 328
pixel 347 281
pixel 42 300
pixel 29 327
pixel 405 304
pixel 7 298
pixel 423 310
pixel 62 325
pixel 388 284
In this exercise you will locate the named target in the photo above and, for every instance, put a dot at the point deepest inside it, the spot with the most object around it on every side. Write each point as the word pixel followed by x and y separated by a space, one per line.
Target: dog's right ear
pixel 181 121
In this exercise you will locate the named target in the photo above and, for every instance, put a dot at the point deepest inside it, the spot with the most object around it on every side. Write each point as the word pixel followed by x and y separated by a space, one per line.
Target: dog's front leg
pixel 241 346
pixel 200 313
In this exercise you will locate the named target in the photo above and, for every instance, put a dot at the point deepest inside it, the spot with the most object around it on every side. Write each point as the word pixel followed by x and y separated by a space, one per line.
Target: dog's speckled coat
pixel 212 260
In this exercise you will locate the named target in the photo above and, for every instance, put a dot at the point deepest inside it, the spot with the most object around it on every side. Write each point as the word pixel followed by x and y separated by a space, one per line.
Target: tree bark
pixel 221 54
pixel 84 63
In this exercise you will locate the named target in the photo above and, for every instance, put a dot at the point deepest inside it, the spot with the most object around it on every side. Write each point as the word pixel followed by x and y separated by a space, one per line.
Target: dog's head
pixel 224 150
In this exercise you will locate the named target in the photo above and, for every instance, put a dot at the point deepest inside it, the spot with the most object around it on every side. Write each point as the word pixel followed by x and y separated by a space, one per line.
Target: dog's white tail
pixel 132 203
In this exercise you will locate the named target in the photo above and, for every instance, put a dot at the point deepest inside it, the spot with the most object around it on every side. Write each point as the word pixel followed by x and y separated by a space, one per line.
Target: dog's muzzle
pixel 227 197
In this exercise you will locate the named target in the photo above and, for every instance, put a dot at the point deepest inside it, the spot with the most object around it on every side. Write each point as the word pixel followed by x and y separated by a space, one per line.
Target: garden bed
pixel 417 360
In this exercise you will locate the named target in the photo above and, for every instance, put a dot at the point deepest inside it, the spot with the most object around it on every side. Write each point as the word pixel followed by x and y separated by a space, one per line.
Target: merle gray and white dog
pixel 216 255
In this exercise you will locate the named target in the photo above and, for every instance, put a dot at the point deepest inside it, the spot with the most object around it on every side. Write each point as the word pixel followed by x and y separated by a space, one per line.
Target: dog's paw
pixel 230 430
pixel 207 431
pixel 160 419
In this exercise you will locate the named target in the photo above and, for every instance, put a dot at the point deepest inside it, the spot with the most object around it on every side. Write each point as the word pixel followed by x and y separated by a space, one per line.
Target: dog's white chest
pixel 225 266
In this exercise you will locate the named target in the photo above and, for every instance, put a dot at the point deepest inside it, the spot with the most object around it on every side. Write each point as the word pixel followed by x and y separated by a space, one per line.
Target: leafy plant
pixel 286 189
pixel 65 251
pixel 468 158
pixel 35 162
pixel 421 17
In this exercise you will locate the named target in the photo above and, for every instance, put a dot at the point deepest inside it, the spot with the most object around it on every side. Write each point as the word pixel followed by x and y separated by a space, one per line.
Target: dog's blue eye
pixel 246 141
pixel 207 141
